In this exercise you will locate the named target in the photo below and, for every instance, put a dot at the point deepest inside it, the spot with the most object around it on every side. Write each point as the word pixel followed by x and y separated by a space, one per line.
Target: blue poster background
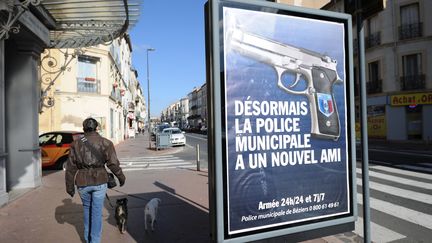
pixel 248 79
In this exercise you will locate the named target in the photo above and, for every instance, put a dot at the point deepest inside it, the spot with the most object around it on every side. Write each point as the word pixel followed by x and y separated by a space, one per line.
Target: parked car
pixel 177 136
pixel 158 129
pixel 55 147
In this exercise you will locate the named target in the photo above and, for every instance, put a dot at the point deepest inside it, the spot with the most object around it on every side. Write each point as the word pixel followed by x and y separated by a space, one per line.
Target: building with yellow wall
pixel 96 83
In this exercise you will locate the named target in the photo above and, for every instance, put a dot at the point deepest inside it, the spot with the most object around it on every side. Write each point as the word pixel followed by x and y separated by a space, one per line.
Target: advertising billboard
pixel 285 117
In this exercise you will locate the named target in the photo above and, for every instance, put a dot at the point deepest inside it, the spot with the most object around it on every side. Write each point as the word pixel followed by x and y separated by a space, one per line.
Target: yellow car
pixel 55 148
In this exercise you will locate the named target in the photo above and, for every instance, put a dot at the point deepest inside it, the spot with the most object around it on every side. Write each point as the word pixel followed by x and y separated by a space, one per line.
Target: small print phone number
pixel 324 206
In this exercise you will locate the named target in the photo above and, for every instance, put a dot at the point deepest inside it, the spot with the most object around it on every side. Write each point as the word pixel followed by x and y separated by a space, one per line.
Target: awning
pixel 80 23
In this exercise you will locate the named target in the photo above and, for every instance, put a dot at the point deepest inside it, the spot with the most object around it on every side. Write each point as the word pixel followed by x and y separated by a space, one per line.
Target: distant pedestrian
pixel 86 169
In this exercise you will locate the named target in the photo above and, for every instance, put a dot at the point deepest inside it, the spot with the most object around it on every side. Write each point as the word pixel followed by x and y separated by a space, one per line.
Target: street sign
pixel 281 124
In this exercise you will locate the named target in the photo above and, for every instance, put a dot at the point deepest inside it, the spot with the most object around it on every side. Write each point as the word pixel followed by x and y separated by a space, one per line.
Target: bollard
pixel 198 156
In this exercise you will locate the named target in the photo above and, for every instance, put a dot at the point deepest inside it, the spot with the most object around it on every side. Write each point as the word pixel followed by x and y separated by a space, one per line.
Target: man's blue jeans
pixel 93 198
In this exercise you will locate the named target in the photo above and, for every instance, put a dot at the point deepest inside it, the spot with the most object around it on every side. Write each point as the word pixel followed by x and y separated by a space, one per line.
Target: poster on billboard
pixel 285 119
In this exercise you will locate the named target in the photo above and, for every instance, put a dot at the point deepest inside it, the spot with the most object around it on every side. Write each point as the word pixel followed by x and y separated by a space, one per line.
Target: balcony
pixel 374 86
pixel 409 31
pixel 413 82
pixel 88 85
pixel 115 95
pixel 374 39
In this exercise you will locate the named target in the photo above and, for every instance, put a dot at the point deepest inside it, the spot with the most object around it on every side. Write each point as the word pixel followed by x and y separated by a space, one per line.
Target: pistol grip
pixel 327 122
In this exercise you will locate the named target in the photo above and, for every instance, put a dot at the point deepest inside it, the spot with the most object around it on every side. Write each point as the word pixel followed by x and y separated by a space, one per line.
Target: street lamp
pixel 148 96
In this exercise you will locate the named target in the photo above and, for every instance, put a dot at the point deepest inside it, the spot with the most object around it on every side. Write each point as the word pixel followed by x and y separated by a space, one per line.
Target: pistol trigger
pixel 296 81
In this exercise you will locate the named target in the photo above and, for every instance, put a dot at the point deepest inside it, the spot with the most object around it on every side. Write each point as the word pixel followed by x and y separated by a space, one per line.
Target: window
pixel 50 139
pixel 374 83
pixel 87 79
pixel 67 138
pixel 46 139
pixel 411 64
pixel 373 35
pixel 373 71
pixel 414 121
pixel 412 72
pixel 410 26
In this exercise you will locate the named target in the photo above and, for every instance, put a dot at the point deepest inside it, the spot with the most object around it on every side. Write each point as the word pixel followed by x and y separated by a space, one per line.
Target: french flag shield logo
pixel 325 104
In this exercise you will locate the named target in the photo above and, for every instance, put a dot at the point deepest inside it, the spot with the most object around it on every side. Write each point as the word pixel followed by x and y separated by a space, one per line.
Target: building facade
pixel 194 116
pixel 398 63
pixel 99 83
pixel 184 113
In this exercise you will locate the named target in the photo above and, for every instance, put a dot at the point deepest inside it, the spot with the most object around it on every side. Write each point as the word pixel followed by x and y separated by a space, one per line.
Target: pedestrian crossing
pixel 154 163
pixel 400 204
pixel 400 200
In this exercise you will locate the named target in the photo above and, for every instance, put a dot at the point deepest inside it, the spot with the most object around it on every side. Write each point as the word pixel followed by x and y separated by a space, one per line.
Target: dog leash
pixel 109 200
pixel 141 198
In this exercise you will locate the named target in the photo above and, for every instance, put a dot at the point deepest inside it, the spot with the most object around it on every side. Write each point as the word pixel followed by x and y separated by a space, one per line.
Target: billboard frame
pixel 216 150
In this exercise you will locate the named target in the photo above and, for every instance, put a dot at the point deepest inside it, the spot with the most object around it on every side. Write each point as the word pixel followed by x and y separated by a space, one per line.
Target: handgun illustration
pixel 319 72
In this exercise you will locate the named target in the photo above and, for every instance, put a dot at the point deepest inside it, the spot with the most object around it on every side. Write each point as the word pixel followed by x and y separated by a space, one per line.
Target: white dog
pixel 151 210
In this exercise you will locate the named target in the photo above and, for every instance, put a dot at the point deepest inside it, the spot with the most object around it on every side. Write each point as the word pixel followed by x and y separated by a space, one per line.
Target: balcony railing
pixel 373 39
pixel 88 85
pixel 115 95
pixel 409 31
pixel 374 86
pixel 413 82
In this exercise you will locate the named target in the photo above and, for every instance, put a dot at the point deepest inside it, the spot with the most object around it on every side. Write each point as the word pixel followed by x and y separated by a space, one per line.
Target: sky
pixel 176 30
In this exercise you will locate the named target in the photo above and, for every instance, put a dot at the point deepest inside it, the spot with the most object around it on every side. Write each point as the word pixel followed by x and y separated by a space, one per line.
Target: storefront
pixel 399 117
pixel 411 114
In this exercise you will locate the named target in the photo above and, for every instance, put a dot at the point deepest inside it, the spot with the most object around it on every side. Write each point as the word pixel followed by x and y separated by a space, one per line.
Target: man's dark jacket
pixel 84 168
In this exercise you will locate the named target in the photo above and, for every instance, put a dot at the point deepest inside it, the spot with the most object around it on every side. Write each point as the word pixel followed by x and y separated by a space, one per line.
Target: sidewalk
pixel 48 214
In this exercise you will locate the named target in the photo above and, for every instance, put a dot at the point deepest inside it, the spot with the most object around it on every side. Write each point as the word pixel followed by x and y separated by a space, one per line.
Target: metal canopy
pixel 80 23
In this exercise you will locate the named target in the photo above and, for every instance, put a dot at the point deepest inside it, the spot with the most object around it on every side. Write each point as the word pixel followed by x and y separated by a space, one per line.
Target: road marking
pixel 150 161
pixel 403 213
pixel 421 197
pixel 398 179
pixel 161 164
pixel 201 138
pixel 378 232
pixel 429 170
pixel 153 163
pixel 159 168
pixel 402 172
pixel 402 153
pixel 148 157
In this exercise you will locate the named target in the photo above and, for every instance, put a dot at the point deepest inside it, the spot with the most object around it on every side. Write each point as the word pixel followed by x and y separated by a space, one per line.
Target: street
pixel 419 160
pixel 400 200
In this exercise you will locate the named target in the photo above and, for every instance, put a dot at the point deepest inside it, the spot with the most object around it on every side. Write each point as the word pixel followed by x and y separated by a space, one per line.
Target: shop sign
pixel 411 99
pixel 377 126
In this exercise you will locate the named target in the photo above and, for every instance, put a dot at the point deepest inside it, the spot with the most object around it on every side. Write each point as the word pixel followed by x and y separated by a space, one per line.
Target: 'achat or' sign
pixel 285 118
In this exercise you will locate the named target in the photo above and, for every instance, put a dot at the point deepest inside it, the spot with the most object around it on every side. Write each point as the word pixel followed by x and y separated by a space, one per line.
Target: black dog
pixel 121 214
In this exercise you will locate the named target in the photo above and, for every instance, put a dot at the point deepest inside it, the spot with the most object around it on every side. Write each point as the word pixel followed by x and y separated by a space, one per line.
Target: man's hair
pixel 90 125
